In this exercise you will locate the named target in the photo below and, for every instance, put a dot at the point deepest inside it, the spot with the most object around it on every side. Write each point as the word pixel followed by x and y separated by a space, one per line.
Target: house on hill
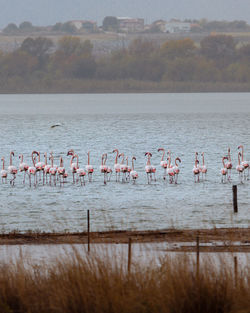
pixel 130 25
pixel 176 26
pixel 84 26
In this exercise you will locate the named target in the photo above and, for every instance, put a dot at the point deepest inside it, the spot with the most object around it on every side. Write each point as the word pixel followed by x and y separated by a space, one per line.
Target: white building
pixel 175 26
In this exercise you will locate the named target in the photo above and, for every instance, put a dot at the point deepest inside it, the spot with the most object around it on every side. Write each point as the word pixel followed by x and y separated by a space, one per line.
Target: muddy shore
pixel 223 239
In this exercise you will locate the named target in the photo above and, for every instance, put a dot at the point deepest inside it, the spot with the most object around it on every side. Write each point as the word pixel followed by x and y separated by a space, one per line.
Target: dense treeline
pixel 39 62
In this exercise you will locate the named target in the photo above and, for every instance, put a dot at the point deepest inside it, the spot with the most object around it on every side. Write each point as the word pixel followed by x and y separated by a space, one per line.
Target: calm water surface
pixel 183 123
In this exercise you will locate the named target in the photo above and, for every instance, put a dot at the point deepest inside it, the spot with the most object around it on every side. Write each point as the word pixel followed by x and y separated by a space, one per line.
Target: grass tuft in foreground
pixel 102 284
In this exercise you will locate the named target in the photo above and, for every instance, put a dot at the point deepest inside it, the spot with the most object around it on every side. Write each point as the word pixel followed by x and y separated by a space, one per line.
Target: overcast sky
pixel 48 12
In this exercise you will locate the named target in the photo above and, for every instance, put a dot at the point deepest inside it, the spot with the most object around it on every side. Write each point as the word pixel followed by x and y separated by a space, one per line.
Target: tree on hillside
pixel 11 28
pixel 110 23
pixel 220 48
pixel 26 27
pixel 182 48
pixel 39 47
pixel 69 45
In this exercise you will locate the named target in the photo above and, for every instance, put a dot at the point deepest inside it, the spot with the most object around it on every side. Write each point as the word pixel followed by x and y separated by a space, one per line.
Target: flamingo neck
pixel 3 163
pixel 223 162
pixel 77 161
pixel 163 154
pixel 132 164
pixel 10 159
pixel 88 158
pixel 203 161
pixel 33 159
pixel 117 153
pixel 45 158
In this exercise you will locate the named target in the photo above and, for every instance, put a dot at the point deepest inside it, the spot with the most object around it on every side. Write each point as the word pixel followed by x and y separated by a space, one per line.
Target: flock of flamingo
pixel 121 168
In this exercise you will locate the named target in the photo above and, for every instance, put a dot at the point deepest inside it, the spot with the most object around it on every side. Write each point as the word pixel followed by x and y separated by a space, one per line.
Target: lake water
pixel 133 123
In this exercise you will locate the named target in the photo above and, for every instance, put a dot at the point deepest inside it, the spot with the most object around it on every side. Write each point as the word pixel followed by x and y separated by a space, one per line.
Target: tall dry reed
pixel 97 284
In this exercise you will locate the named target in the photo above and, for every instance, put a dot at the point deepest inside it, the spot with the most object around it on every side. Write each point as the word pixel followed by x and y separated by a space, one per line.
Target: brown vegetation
pixel 102 284
pixel 174 66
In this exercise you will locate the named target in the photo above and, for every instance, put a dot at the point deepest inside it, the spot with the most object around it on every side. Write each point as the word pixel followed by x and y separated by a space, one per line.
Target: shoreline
pixel 211 240
pixel 64 86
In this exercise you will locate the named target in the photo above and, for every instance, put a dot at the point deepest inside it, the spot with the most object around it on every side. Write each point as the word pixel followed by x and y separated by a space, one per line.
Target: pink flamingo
pixel 52 170
pixel 32 169
pixel 164 164
pixel 61 171
pixel 104 168
pixel 245 164
pixel 80 171
pixel 23 167
pixel 224 170
pixel 229 165
pixel 40 167
pixel 133 173
pixel 148 167
pixel 123 167
pixel 89 169
pixel 176 169
pixel 203 168
pixel 240 167
pixel 12 169
pixel 73 166
pixel 196 169
pixel 4 173
pixel 128 170
pixel 117 165
pixel 170 170
pixel 46 167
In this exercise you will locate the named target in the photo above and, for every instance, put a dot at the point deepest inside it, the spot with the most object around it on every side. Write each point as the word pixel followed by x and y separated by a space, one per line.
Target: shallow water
pixel 183 123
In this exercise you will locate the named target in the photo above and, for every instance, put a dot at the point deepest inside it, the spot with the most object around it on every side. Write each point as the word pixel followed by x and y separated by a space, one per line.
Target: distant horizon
pixel 119 16
pixel 45 12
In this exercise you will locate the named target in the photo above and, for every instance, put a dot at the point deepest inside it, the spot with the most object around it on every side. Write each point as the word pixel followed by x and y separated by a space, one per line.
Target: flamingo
pixel 52 170
pixel 104 168
pixel 12 169
pixel 40 166
pixel 224 169
pixel 123 167
pixel 176 169
pixel 164 164
pixel 73 166
pixel 32 169
pixel 4 173
pixel 80 171
pixel 203 168
pixel 240 167
pixel 89 169
pixel 46 167
pixel 23 167
pixel 196 169
pixel 148 167
pixel 61 171
pixel 128 170
pixel 170 170
pixel 229 165
pixel 133 173
pixel 245 164
pixel 117 165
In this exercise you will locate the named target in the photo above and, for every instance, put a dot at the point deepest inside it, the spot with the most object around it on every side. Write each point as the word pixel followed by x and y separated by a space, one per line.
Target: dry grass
pixel 102 284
